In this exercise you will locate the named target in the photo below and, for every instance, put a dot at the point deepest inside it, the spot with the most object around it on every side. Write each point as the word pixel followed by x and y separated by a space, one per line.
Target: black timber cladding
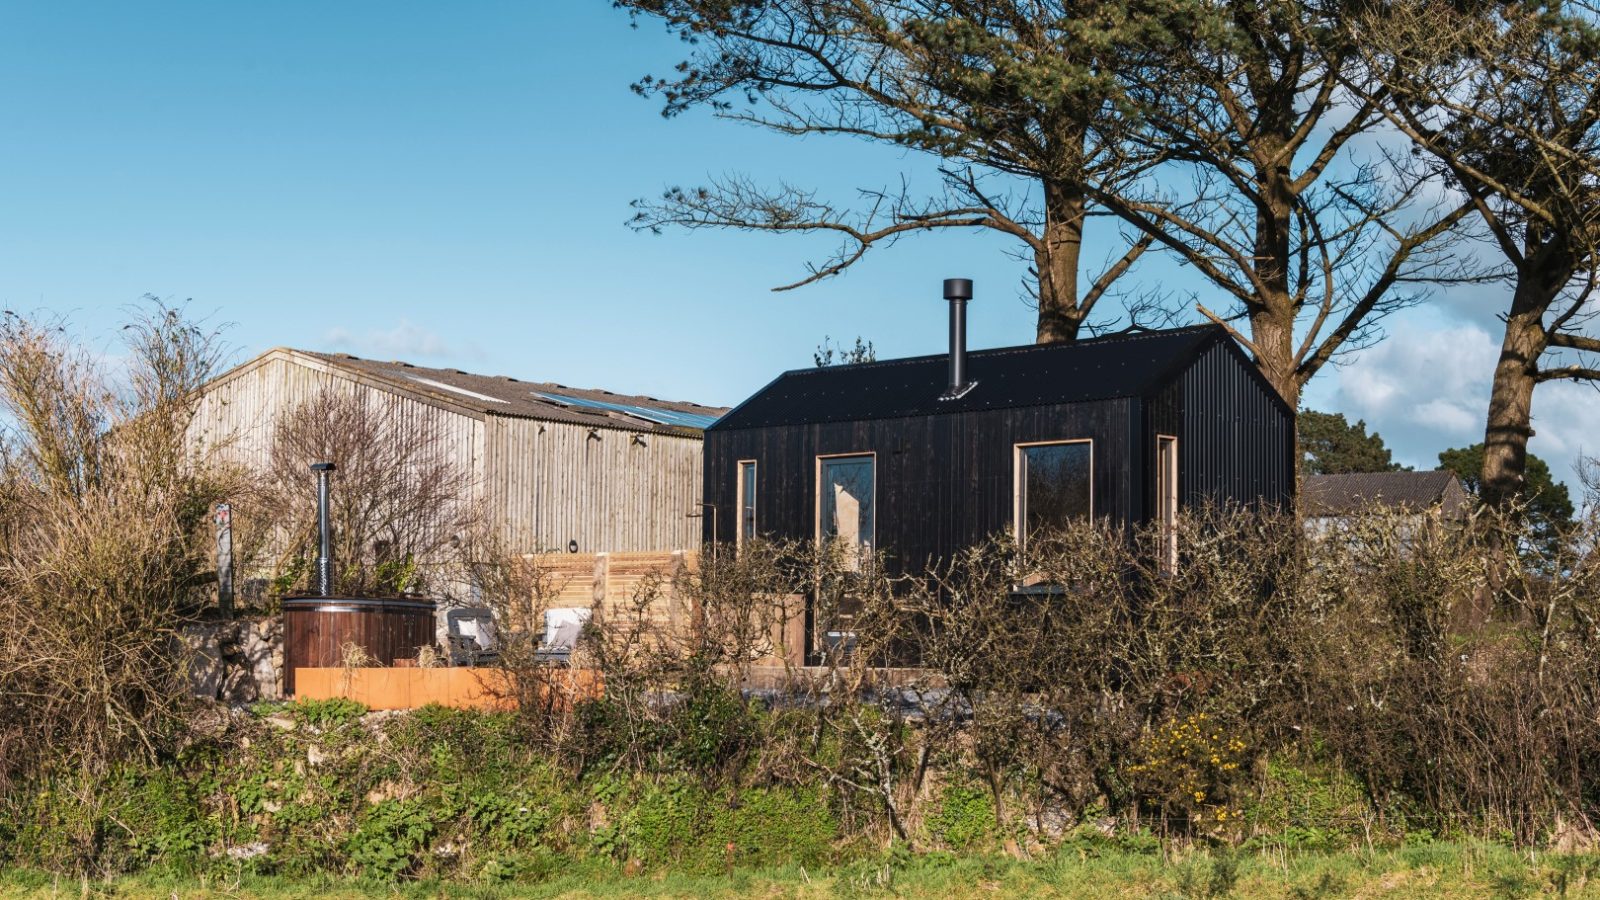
pixel 1236 435
pixel 943 482
pixel 944 469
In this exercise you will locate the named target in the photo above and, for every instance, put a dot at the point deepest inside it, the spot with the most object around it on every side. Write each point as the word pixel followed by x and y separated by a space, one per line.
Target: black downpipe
pixel 958 291
pixel 324 531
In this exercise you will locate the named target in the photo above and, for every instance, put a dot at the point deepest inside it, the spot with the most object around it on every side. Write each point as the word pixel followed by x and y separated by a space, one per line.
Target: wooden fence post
pixel 680 571
pixel 597 591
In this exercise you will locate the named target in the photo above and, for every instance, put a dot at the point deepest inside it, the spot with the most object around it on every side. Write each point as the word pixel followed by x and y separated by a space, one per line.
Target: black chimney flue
pixel 958 291
pixel 324 531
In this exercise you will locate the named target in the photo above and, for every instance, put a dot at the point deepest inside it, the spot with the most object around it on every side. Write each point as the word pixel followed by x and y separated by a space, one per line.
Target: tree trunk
pixel 1272 331
pixel 1057 263
pixel 1506 433
pixel 1272 311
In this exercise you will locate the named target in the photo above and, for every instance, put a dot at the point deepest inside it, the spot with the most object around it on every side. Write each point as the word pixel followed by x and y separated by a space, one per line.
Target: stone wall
pixel 236 661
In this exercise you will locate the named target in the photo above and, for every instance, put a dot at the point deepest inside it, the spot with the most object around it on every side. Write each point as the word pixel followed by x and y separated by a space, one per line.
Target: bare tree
pixel 1505 100
pixel 1224 134
pixel 400 509
pixel 1018 101
pixel 1264 193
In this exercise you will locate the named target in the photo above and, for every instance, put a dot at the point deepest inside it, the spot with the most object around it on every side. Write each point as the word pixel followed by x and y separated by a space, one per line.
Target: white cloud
pixel 1425 388
pixel 1566 422
pixel 1448 416
pixel 1423 374
pixel 405 340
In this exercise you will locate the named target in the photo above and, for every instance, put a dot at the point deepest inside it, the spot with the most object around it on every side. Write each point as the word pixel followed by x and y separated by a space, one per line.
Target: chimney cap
pixel 323 467
pixel 958 288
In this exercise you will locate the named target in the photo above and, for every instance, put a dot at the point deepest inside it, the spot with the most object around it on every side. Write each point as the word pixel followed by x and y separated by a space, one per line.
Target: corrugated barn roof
pixel 1342 495
pixel 506 396
pixel 1124 365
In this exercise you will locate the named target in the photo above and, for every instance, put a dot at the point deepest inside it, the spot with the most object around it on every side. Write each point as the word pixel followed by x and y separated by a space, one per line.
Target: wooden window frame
pixel 738 495
pixel 1019 485
pixel 818 632
pixel 1166 492
pixel 817 493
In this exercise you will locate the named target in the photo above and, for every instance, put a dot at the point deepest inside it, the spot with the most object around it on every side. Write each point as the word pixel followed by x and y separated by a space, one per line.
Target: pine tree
pixel 1330 445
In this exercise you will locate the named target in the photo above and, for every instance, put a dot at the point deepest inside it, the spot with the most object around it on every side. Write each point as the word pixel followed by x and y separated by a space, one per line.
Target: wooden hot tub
pixel 315 628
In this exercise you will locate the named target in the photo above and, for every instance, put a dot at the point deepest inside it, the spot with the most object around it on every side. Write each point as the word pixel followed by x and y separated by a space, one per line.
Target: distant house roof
pixel 1342 495
pixel 1125 365
pixel 503 395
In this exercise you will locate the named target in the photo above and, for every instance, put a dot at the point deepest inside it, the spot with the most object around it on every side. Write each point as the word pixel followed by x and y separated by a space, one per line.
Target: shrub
pixel 103 528
pixel 1386 680
pixel 327 713
pixel 391 838
pixel 1189 770
pixel 965 818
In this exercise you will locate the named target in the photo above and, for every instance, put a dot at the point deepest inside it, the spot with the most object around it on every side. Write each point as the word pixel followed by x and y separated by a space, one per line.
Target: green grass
pixel 1077 870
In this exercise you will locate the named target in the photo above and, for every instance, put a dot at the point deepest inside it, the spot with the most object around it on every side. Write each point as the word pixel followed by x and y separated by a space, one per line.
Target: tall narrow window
pixel 1167 500
pixel 1053 486
pixel 747 501
pixel 845 501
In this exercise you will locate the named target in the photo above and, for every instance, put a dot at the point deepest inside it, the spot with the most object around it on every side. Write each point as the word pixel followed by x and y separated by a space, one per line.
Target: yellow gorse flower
pixel 1185 765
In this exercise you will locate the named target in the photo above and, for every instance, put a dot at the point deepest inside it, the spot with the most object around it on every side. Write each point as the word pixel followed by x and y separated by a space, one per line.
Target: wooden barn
pixel 918 458
pixel 556 467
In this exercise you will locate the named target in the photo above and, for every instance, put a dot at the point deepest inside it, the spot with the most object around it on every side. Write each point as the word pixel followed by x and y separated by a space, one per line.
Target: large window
pixel 747 501
pixel 845 504
pixel 1053 486
pixel 1167 500
pixel 846 519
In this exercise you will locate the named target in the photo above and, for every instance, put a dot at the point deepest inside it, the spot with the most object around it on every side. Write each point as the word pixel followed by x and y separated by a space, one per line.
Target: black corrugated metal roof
pixel 1124 365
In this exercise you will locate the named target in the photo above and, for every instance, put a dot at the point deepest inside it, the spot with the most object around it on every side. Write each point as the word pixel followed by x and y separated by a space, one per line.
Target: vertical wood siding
pixel 314 635
pixel 236 417
pixel 943 482
pixel 1237 438
pixel 609 490
pixel 545 483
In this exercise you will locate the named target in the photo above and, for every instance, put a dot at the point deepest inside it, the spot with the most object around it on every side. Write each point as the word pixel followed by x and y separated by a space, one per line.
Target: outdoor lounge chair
pixel 471 636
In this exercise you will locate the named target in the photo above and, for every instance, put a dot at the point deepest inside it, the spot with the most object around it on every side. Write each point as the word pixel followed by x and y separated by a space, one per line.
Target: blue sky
pixel 448 183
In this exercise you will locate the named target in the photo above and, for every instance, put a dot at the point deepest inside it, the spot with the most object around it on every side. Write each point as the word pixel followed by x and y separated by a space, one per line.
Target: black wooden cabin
pixel 918 458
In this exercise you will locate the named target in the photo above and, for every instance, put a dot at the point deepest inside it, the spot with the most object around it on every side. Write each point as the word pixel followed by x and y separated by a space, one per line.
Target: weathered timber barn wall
pixel 610 490
pixel 238 411
pixel 946 470
pixel 548 471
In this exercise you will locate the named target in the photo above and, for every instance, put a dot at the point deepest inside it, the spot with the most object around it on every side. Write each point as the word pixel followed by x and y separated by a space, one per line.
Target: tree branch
pixel 1231 330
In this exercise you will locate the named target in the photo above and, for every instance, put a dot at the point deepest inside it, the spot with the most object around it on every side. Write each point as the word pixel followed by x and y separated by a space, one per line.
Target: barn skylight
pixel 648 413
pixel 455 390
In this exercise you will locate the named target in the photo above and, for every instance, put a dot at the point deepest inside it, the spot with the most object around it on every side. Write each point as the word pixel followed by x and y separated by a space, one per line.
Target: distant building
pixel 1332 503
pixel 555 467
pixel 1330 499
